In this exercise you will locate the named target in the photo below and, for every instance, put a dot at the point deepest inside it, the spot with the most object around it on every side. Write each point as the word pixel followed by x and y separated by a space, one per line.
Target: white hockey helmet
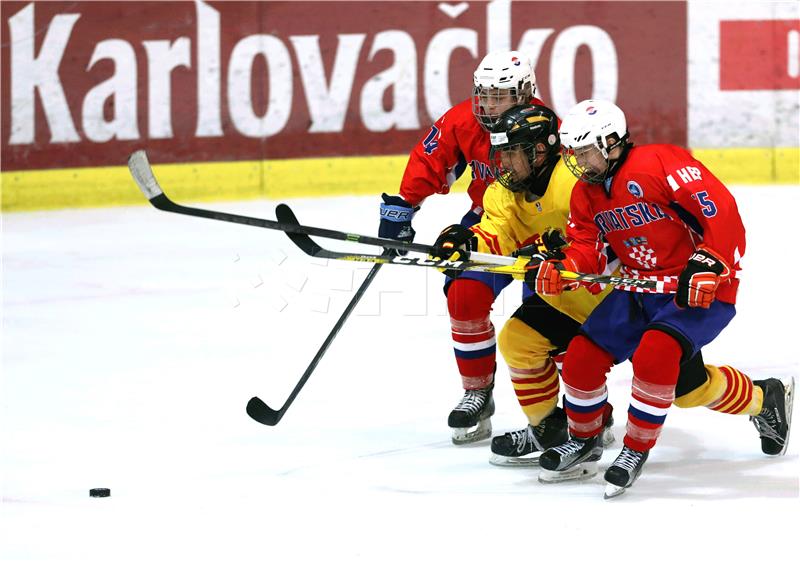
pixel 501 80
pixel 585 133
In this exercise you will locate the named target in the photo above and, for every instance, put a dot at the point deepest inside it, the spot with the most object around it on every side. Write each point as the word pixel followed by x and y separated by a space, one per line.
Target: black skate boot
pixel 523 447
pixel 471 418
pixel 575 459
pixel 624 471
pixel 775 419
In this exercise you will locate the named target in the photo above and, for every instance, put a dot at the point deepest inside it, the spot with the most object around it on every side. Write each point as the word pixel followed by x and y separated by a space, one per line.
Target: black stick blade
pixel 263 413
pixel 285 214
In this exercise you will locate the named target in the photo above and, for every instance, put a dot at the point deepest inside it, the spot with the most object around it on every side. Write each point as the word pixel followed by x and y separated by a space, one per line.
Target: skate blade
pixel 466 435
pixel 522 461
pixel 608 437
pixel 788 392
pixel 580 472
pixel 613 491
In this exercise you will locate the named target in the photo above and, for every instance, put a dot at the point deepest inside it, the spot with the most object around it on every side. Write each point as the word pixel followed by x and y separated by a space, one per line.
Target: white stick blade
pixel 143 174
pixel 491 258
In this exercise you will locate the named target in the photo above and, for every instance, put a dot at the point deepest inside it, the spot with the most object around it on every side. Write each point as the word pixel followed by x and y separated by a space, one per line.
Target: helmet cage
pixel 531 129
pixel 574 156
pixel 506 176
pixel 590 132
pixel 596 152
pixel 486 97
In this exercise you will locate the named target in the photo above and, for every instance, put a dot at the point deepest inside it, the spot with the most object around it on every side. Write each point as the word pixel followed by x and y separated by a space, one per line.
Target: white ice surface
pixel 133 338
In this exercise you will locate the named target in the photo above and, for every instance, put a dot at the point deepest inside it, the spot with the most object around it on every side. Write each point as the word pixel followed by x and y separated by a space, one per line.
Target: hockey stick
pixel 256 408
pixel 516 267
pixel 485 262
pixel 266 415
pixel 144 177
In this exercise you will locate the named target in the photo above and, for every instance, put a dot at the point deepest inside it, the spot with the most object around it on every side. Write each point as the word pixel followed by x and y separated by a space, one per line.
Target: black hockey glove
pixel 453 241
pixel 396 215
pixel 550 247
pixel 554 241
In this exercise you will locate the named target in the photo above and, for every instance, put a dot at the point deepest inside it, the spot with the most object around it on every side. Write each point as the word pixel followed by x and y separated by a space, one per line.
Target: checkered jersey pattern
pixel 644 256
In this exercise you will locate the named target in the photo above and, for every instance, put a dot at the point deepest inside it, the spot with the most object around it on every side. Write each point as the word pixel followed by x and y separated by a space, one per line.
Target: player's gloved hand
pixel 453 242
pixel 396 215
pixel 550 246
pixel 544 277
pixel 699 280
pixel 554 241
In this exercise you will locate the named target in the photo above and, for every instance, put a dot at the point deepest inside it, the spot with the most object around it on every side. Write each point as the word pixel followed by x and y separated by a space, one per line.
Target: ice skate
pixel 523 447
pixel 624 471
pixel 775 419
pixel 608 434
pixel 574 460
pixel 471 418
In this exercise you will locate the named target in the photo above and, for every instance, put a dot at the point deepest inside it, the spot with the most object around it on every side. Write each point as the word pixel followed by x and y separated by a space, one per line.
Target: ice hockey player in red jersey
pixel 667 218
pixel 458 139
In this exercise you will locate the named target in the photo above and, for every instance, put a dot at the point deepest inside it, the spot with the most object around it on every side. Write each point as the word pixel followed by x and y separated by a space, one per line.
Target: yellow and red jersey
pixel 510 222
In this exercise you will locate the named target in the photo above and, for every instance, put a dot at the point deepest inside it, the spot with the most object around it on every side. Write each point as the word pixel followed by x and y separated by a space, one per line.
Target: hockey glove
pixel 554 242
pixel 396 215
pixel 453 242
pixel 699 280
pixel 545 278
pixel 550 246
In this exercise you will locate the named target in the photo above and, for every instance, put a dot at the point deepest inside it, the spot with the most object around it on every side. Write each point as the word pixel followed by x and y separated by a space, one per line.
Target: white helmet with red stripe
pixel 589 131
pixel 503 79
pixel 593 121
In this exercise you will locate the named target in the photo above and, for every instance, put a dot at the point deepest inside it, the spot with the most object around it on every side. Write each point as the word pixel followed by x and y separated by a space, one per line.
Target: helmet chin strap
pixel 624 146
pixel 600 143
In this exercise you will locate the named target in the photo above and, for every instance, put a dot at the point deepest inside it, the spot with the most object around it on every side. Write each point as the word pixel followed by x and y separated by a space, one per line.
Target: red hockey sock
pixel 469 303
pixel 656 364
pixel 584 375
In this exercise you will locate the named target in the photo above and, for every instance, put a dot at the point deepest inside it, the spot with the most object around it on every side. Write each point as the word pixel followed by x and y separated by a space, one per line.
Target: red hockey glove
pixel 544 277
pixel 700 278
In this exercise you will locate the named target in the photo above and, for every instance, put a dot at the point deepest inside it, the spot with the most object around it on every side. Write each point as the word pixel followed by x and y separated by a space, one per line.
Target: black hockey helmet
pixel 533 129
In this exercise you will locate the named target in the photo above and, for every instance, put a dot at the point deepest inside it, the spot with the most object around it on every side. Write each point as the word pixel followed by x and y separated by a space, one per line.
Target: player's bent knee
pixel 522 346
pixel 469 298
pixel 657 352
pixel 585 364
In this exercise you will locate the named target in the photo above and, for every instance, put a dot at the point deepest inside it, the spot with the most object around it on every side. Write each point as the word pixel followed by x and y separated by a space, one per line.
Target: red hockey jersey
pixel 454 142
pixel 659 205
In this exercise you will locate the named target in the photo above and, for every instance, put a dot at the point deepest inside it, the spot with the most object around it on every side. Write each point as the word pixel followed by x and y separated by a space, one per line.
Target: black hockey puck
pixel 100 492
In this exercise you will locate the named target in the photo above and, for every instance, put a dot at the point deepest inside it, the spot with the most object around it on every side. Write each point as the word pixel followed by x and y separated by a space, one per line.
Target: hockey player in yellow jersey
pixel 526 209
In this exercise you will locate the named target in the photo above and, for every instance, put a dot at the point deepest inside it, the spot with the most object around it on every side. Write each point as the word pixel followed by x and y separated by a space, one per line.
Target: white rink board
pixel 132 340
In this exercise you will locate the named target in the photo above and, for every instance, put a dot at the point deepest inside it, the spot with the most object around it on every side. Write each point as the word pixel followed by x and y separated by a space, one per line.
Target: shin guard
pixel 469 303
pixel 656 364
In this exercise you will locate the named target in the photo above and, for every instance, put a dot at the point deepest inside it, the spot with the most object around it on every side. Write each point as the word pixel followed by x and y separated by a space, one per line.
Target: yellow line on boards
pixel 314 177
pixel 736 166
pixel 273 179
